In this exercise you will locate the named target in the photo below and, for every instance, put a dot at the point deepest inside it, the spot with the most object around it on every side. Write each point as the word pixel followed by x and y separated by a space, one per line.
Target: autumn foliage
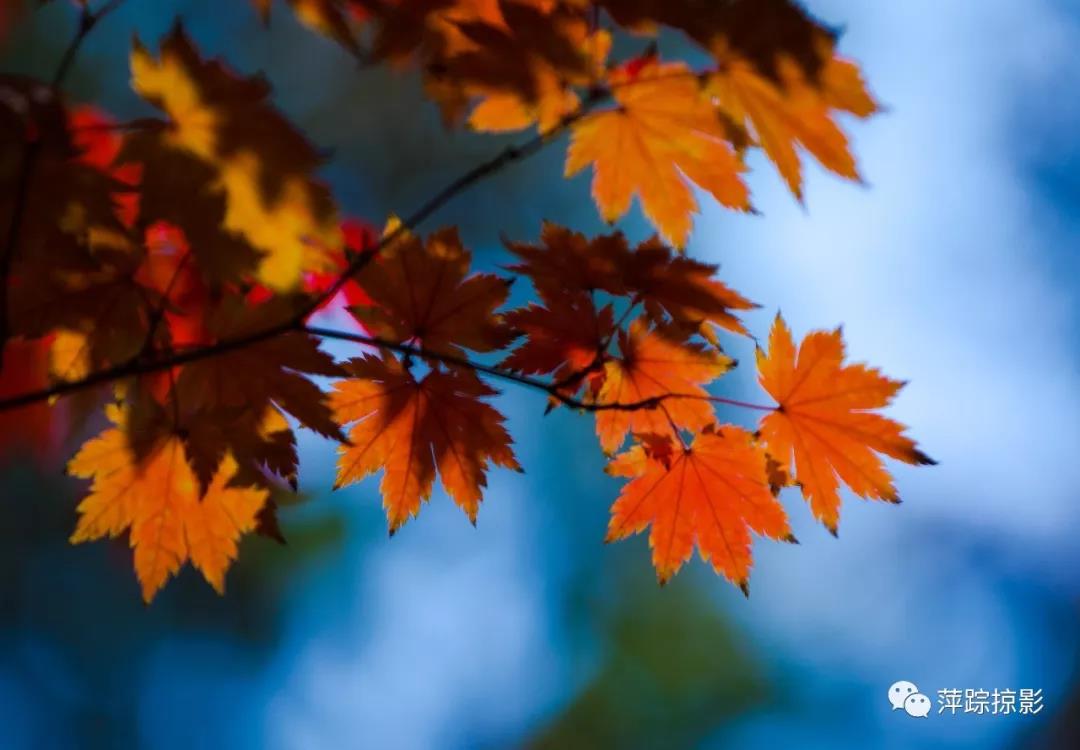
pixel 189 329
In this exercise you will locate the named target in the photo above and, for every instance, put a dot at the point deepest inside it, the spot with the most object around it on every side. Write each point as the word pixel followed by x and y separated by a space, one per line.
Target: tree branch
pixel 143 365
pixel 88 19
pixel 508 156
pixel 555 389
pixel 146 365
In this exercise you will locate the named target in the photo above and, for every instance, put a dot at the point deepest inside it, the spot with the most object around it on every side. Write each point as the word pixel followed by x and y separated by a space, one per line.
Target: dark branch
pixel 147 365
pixel 88 19
pixel 556 389
pixel 507 157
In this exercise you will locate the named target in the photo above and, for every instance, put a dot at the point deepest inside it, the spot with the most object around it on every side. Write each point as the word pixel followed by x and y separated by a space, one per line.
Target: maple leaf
pixel 682 291
pixel 220 255
pixel 158 502
pixel 532 56
pixel 264 164
pixel 554 98
pixel 106 306
pixel 825 420
pixel 566 260
pixel 663 136
pixel 69 355
pixel 759 31
pixel 409 428
pixel 654 367
pixel 678 293
pixel 711 494
pixel 432 27
pixel 421 293
pixel 795 111
pixel 777 73
pixel 566 336
pixel 224 400
pixel 73 248
pixel 99 145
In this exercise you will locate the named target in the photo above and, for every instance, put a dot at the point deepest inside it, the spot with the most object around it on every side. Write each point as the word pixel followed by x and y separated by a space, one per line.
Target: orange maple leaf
pixel 825 420
pixel 410 428
pixel 421 294
pixel 664 135
pixel 795 111
pixel 711 494
pixel 653 367
pixel 158 502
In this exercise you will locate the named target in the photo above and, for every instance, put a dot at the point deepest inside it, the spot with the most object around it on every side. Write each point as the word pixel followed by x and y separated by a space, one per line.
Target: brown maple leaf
pixel 264 165
pixel 679 294
pixel 566 337
pixel 422 293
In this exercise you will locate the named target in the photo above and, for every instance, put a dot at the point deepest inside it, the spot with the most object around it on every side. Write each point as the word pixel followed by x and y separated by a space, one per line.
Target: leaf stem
pixel 740 404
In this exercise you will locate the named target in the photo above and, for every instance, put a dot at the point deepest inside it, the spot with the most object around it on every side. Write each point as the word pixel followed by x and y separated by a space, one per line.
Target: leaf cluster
pixel 171 271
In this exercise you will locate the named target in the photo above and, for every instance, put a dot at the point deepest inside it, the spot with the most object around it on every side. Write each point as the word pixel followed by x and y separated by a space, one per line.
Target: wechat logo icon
pixel 906 695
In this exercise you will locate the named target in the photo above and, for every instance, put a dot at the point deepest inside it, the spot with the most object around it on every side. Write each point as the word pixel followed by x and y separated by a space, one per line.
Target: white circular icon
pixel 917 705
pixel 899 693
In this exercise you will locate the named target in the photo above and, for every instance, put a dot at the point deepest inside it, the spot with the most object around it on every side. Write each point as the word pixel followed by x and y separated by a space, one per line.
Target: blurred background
pixel 957 268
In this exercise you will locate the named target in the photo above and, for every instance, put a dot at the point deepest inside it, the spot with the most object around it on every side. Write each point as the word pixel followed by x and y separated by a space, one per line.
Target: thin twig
pixel 508 156
pixel 555 390
pixel 147 365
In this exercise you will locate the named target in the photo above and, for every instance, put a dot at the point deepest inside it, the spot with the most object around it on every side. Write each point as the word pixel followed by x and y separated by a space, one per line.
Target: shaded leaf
pixel 264 164
pixel 422 293
pixel 409 428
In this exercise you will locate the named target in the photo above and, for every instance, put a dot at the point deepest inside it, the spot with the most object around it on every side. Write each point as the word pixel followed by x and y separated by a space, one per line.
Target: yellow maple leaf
pixel 69 355
pixel 157 501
